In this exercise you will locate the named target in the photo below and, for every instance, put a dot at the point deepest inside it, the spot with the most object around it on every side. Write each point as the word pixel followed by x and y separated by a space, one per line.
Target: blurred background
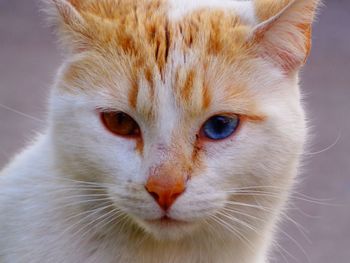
pixel 319 228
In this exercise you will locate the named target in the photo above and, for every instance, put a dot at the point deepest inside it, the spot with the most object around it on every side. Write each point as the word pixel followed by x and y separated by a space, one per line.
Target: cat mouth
pixel 168 228
pixel 167 221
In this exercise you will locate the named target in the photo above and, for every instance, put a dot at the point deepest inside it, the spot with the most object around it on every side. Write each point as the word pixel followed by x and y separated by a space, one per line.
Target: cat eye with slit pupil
pixel 220 127
pixel 120 123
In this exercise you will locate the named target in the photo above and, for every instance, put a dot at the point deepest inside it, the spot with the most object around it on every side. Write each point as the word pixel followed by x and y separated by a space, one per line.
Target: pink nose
pixel 165 189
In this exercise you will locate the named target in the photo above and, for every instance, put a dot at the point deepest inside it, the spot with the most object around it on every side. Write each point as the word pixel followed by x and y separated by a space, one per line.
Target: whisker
pixel 55 181
pixel 300 228
pixel 234 231
pixel 91 223
pixel 97 184
pixel 211 229
pixel 240 222
pixel 80 202
pixel 326 148
pixel 104 219
pixel 292 191
pixel 78 188
pixel 248 205
pixel 80 214
pixel 277 196
pixel 84 196
pixel 296 243
pixel 20 113
pixel 97 210
pixel 261 220
pixel 280 248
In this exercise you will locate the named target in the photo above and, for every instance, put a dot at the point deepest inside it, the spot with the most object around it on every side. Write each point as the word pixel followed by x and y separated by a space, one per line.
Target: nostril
pixel 154 195
pixel 175 195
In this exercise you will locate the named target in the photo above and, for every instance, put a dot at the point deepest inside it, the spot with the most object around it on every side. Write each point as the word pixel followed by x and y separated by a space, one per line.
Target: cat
pixel 174 134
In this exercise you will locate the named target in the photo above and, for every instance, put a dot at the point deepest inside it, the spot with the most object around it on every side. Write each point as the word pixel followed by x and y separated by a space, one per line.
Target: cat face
pixel 187 115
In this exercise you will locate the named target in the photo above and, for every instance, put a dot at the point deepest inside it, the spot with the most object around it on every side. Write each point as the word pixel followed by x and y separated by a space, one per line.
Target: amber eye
pixel 120 124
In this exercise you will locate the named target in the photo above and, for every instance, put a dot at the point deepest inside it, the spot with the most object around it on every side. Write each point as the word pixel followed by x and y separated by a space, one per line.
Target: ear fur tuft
pixel 67 20
pixel 285 37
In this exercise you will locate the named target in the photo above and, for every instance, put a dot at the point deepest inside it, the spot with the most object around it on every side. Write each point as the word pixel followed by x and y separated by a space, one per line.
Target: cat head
pixel 186 111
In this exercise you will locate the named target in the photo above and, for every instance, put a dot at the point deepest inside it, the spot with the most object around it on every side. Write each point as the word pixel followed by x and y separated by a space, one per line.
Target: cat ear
pixel 65 17
pixel 285 36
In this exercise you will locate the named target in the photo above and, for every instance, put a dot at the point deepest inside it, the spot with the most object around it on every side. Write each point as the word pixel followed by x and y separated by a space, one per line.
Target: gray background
pixel 29 60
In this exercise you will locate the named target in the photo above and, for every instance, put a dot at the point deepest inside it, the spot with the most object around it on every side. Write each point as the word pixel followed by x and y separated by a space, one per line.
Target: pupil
pixel 120 118
pixel 220 124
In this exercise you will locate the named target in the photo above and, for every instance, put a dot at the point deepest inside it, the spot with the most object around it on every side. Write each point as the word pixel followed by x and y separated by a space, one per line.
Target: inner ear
pixel 285 38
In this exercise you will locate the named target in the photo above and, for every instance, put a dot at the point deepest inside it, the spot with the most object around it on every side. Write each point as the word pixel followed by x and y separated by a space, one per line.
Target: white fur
pixel 41 203
pixel 243 8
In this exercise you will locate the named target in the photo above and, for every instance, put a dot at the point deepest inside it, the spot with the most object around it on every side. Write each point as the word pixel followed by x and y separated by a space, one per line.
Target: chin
pixel 165 228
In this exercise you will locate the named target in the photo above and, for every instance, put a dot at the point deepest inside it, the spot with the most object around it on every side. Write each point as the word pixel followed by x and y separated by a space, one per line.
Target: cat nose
pixel 165 189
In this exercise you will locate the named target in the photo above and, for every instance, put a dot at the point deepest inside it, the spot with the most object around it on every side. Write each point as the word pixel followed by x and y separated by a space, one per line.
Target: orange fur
pixel 139 35
pixel 266 9
pixel 139 146
pixel 188 85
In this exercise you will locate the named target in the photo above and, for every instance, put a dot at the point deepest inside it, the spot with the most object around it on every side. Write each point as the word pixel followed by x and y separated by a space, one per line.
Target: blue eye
pixel 220 127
